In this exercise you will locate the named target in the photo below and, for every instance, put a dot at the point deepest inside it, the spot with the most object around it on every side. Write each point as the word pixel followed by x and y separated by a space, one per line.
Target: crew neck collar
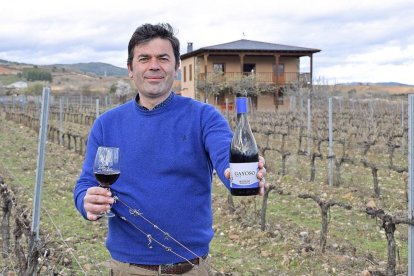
pixel 158 106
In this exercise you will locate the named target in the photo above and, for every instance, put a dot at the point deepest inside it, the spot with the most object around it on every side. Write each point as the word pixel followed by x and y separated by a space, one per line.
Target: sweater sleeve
pixel 217 139
pixel 87 178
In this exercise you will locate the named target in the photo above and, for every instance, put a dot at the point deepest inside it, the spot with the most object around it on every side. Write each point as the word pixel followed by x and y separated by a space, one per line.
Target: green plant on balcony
pixel 247 83
pixel 217 82
pixel 213 84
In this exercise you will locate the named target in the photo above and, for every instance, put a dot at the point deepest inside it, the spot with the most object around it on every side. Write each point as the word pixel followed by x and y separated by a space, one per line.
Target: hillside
pixel 87 78
pixel 89 68
pixel 373 84
pixel 377 89
pixel 97 68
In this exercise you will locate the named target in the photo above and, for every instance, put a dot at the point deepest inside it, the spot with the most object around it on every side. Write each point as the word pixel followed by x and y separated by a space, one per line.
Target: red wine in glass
pixel 106 168
pixel 107 178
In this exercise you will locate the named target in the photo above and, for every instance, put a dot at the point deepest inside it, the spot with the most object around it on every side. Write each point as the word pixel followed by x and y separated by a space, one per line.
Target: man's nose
pixel 154 64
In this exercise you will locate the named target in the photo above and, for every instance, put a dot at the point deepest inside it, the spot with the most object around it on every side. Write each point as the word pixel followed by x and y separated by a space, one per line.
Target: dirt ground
pixel 7 70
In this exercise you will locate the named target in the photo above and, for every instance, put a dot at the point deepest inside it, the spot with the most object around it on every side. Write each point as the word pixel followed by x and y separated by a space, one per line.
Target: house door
pixel 221 101
pixel 281 78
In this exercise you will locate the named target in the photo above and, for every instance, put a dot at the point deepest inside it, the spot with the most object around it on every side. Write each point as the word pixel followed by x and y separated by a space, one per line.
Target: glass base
pixel 108 214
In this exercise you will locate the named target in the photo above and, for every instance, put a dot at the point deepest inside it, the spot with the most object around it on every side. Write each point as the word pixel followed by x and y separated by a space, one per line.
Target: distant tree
pixel 37 74
pixel 123 89
pixel 112 89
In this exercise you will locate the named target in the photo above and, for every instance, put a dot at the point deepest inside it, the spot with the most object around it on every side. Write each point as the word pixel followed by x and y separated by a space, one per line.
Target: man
pixel 169 146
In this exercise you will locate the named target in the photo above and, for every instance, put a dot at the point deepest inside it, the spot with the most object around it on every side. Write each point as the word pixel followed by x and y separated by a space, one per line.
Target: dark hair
pixel 148 32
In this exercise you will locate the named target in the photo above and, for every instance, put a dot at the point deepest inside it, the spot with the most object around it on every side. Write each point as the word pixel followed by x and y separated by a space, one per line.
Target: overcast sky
pixel 361 40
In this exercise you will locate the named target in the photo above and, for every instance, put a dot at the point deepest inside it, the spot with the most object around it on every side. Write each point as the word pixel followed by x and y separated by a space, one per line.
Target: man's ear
pixel 130 71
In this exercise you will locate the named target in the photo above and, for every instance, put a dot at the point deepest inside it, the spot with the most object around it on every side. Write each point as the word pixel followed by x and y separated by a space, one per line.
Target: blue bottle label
pixel 241 105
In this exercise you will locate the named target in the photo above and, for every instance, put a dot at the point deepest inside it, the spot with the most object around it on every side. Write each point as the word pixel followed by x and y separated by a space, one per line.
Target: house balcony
pixel 262 77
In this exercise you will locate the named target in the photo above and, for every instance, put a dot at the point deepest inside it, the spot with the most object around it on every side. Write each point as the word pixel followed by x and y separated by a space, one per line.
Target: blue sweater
pixel 167 156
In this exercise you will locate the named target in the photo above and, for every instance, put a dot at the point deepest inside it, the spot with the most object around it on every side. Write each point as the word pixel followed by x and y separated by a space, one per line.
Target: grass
pixel 9 79
pixel 239 245
pixel 351 233
pixel 60 222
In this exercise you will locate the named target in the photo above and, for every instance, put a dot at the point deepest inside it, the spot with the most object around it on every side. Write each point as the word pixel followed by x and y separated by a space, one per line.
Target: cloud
pixel 359 39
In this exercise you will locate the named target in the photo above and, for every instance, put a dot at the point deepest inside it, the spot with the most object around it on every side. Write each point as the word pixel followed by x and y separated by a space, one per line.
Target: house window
pixel 281 69
pixel 190 72
pixel 185 74
pixel 249 68
pixel 218 67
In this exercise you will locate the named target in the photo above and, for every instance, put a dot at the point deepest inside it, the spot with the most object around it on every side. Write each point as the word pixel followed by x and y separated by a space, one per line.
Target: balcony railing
pixel 262 77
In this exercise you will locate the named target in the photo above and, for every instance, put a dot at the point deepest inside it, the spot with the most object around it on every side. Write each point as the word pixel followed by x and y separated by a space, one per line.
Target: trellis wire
pixel 97 108
pixel 371 108
pixel 410 182
pixel 301 105
pixel 65 243
pixel 402 126
pixel 330 130
pixel 309 128
pixel 291 103
pixel 61 120
pixel 227 110
pixel 411 170
pixel 135 212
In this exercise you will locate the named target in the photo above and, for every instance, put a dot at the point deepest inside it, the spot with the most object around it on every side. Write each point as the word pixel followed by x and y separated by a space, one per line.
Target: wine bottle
pixel 244 155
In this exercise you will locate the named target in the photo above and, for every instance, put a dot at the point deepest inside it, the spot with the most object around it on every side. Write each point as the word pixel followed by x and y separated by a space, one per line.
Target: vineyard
pixel 337 202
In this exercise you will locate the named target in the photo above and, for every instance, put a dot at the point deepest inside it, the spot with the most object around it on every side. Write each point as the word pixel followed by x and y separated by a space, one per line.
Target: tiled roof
pixel 250 45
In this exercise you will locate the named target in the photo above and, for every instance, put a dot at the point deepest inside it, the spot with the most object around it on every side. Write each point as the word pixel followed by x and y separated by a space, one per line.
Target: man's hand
pixel 260 175
pixel 97 201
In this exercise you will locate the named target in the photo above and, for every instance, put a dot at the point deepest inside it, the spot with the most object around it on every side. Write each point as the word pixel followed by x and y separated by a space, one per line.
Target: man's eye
pixel 142 59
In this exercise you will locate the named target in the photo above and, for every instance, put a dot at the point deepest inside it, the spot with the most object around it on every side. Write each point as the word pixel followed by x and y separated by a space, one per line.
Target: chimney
pixel 189 47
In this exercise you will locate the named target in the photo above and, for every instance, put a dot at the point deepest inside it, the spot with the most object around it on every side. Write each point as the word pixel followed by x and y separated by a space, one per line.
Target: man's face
pixel 153 68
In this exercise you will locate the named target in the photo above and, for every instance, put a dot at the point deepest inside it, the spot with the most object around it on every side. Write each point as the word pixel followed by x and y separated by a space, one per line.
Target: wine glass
pixel 106 168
